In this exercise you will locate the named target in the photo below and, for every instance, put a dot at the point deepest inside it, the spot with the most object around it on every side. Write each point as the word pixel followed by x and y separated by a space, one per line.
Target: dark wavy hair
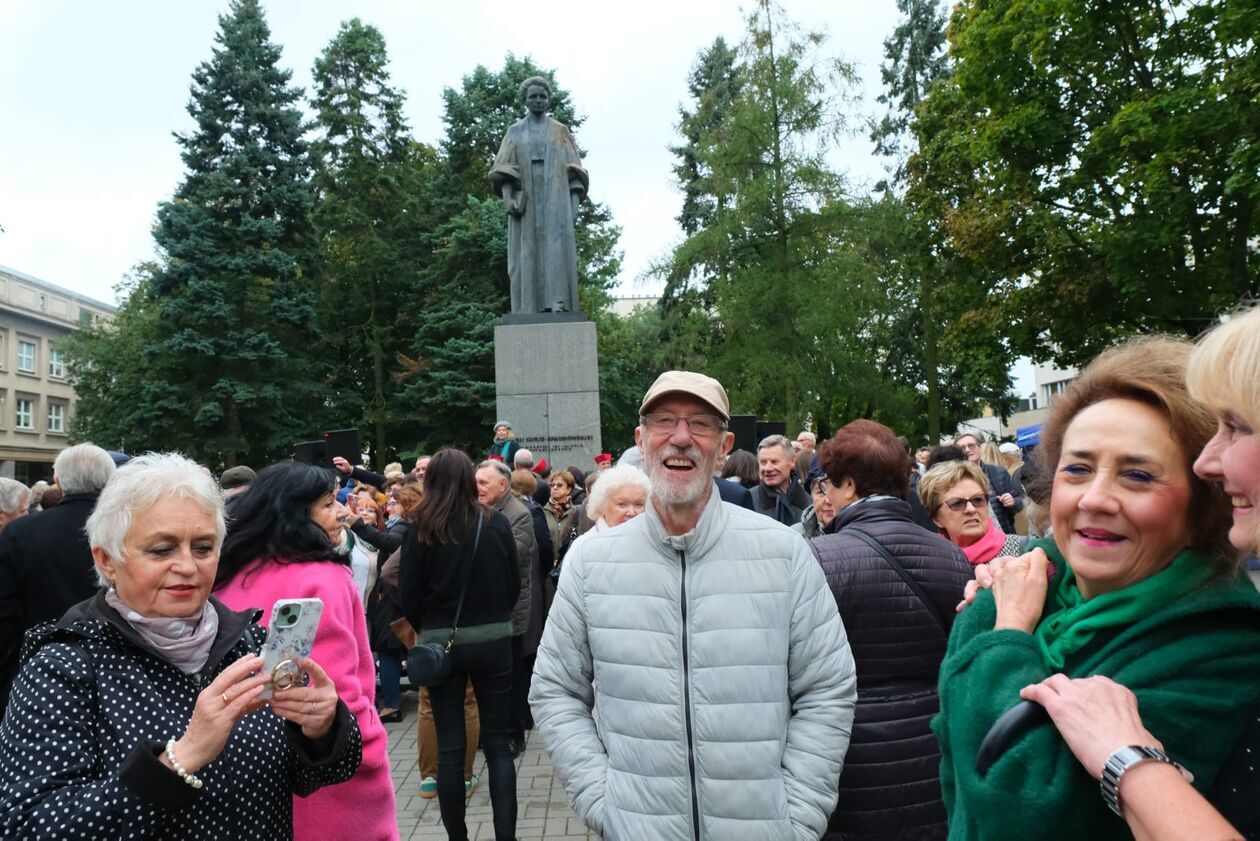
pixel 450 497
pixel 272 521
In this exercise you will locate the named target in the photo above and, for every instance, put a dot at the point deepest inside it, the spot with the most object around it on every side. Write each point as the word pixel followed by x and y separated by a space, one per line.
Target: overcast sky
pixel 92 91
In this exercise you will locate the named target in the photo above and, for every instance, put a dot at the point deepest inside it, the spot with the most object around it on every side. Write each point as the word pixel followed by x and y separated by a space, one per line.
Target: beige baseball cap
pixel 689 382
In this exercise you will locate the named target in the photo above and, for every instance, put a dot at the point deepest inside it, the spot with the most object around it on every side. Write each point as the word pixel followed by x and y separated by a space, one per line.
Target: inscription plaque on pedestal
pixel 547 386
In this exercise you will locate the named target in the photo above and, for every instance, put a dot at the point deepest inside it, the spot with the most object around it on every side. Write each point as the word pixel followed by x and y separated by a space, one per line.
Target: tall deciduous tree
pixel 784 234
pixel 370 219
pixel 1105 160
pixel 223 337
pixel 941 348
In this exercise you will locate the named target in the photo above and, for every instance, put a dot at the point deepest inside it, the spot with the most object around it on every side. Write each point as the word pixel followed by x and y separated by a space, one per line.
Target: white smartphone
pixel 290 637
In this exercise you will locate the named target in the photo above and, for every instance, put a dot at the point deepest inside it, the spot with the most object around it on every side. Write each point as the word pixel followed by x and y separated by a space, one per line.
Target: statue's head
pixel 537 94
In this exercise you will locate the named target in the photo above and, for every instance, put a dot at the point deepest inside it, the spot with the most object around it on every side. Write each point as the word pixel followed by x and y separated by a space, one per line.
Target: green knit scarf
pixel 1070 621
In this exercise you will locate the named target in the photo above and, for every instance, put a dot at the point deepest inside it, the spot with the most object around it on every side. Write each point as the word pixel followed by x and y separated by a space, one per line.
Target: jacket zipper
pixel 691 751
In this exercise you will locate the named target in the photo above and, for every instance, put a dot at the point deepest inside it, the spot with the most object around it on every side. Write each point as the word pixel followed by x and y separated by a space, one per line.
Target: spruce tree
pixel 232 292
pixel 369 222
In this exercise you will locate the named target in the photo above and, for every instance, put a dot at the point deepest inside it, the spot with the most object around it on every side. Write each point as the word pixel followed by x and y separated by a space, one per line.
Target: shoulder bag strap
pixel 905 575
pixel 459 607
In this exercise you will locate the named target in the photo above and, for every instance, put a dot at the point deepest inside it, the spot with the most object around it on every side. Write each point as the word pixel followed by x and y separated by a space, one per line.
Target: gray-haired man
pixel 706 637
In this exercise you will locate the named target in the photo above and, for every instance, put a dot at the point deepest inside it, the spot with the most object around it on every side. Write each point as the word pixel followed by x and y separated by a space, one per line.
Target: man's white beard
pixel 666 487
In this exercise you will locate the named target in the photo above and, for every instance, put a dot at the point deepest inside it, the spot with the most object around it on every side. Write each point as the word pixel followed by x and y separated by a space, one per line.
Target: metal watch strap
pixel 1124 759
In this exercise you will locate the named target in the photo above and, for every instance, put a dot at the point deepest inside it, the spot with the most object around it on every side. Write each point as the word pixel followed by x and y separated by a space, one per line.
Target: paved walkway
pixel 542 807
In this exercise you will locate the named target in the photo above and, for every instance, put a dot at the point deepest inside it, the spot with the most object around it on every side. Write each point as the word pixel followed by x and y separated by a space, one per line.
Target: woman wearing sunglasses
pixel 956 496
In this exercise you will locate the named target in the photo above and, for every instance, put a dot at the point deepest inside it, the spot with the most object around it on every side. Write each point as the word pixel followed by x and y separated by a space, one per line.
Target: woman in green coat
pixel 1141 587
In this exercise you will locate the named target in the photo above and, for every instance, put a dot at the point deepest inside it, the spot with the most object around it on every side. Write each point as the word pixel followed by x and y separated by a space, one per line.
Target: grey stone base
pixel 547 386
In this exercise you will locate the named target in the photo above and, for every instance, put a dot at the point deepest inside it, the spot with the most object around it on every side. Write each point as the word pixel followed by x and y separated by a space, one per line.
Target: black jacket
pixel 890 786
pixel 45 569
pixel 430 576
pixel 93 706
pixel 734 493
pixel 787 507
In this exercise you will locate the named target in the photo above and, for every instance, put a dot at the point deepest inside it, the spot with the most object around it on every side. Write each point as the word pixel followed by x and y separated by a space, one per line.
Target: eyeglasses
pixel 978 502
pixel 702 425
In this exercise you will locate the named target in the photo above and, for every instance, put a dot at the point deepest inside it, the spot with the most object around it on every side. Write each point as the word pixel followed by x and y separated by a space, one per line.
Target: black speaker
pixel 745 429
pixel 312 452
pixel 767 428
pixel 344 443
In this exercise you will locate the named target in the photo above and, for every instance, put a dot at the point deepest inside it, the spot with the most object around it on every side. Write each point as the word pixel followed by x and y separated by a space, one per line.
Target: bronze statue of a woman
pixel 539 175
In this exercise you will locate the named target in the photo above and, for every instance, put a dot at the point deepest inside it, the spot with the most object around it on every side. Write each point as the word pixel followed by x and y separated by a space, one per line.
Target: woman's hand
pixel 1095 716
pixel 229 698
pixel 341 465
pixel 982 581
pixel 312 707
pixel 1019 590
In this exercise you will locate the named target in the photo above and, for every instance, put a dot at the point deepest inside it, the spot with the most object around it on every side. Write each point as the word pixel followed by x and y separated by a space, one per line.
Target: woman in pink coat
pixel 281 544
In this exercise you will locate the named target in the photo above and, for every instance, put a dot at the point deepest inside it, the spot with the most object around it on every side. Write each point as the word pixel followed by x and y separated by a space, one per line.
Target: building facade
pixel 1024 425
pixel 36 399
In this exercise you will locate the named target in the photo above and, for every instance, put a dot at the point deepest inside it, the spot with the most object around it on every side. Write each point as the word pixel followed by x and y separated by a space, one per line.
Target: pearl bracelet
pixel 179 769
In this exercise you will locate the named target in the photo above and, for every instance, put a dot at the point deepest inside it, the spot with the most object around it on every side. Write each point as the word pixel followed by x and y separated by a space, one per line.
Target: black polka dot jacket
pixel 91 711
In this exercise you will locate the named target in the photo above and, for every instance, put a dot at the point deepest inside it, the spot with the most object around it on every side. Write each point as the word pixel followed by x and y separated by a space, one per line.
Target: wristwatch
pixel 1124 759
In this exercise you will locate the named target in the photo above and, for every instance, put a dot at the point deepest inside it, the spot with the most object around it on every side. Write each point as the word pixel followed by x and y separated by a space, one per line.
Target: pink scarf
pixel 987 547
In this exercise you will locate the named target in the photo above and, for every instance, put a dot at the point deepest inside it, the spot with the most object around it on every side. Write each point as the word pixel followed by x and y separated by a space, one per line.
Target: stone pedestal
pixel 546 378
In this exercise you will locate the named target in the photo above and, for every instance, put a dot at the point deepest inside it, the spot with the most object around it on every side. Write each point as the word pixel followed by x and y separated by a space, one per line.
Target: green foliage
pixel 938 344
pixel 370 218
pixel 914 59
pixel 119 407
pixel 630 358
pixel 1102 161
pixel 449 379
pixel 210 353
pixel 779 249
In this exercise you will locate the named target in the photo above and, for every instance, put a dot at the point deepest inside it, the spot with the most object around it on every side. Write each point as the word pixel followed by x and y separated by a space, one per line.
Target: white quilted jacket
pixel 718 674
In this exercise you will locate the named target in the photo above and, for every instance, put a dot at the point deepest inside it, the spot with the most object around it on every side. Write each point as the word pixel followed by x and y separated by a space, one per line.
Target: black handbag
pixel 429 663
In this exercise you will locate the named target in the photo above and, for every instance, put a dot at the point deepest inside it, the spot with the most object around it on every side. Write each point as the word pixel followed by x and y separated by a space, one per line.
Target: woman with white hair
pixel 620 494
pixel 137 714
pixel 15 498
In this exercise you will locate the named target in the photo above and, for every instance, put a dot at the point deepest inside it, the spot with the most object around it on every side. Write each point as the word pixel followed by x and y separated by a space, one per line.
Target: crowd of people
pixel 841 638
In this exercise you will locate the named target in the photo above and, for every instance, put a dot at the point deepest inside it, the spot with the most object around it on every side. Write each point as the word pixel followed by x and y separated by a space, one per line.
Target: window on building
pixel 56 417
pixel 25 413
pixel 1052 389
pixel 56 363
pixel 26 357
pixel 4 348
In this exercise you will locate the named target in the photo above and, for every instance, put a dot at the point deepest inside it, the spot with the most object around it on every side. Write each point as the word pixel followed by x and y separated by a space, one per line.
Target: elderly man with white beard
pixel 706 638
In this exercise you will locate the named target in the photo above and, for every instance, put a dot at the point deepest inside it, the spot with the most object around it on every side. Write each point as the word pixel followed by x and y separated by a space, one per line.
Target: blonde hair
pixel 524 483
pixel 1224 368
pixel 943 477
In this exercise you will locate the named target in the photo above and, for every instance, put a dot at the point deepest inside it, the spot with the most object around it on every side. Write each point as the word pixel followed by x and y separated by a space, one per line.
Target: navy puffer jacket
pixel 890 787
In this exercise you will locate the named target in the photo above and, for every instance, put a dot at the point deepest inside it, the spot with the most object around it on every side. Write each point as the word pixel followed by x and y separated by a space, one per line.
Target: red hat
pixel 603 458
pixel 541 466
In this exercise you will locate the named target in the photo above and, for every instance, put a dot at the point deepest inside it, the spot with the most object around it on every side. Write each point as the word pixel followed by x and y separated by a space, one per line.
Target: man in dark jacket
pixel 494 488
pixel 1005 501
pixel 780 494
pixel 45 561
